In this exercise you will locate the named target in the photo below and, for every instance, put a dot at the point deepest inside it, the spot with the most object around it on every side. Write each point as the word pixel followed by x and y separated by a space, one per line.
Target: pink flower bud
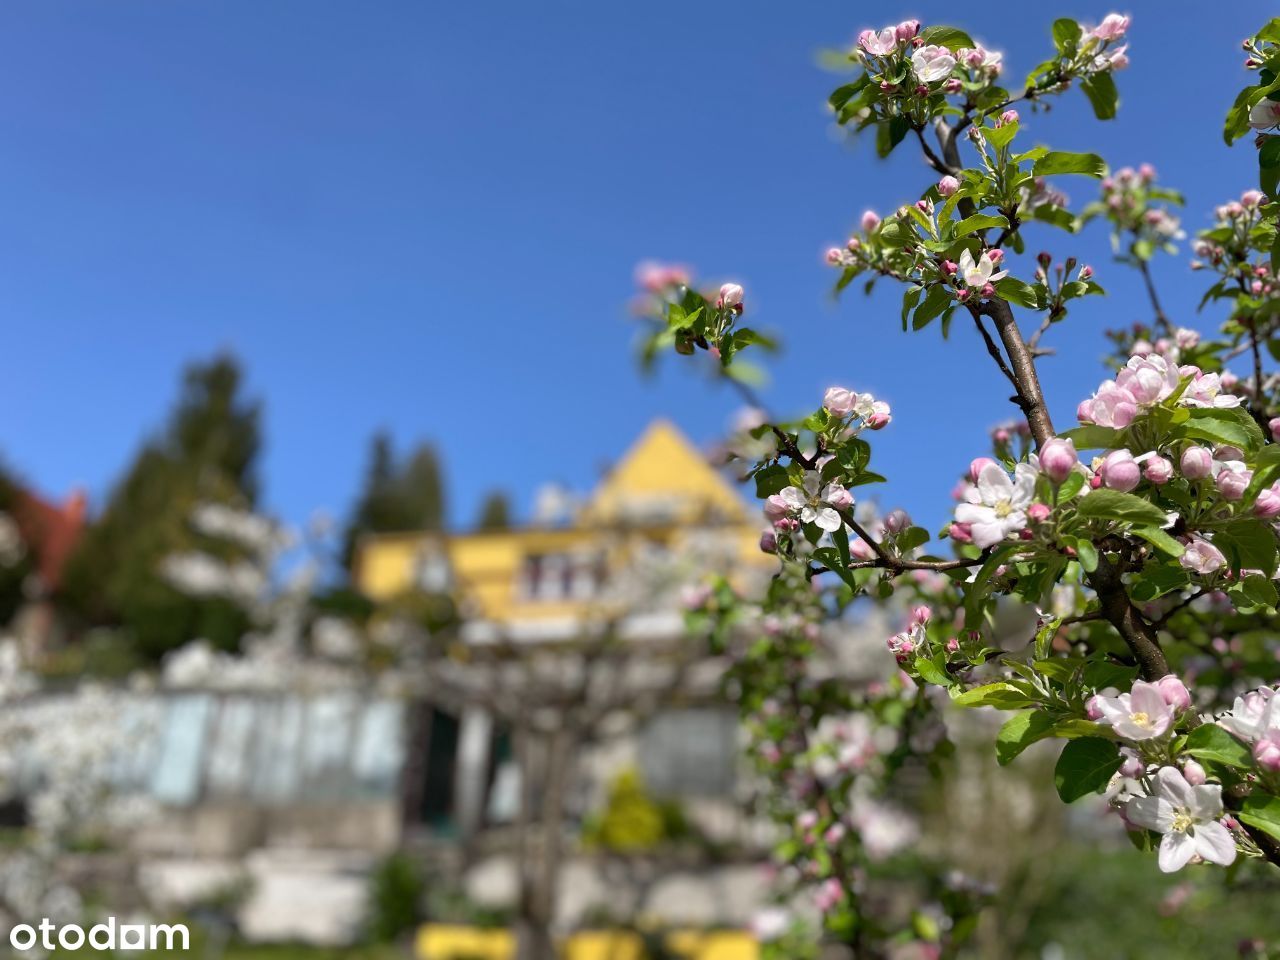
pixel 897 520
pixel 1038 512
pixel 988 290
pixel 1266 752
pixel 948 185
pixel 1132 767
pixel 962 294
pixel 960 533
pixel 1119 471
pixel 1274 427
pixel 1174 691
pixel 870 220
pixel 769 541
pixel 1009 116
pixel 834 256
pixel 995 256
pixel 953 645
pixel 775 508
pixel 1091 708
pixel 1196 463
pixel 1058 459
pixel 907 29
pixel 949 267
pixel 852 244
pixel 877 421
pixel 921 614
pixel 1086 272
pixel 1147 172
pixel 1233 483
pixel 731 296
pixel 977 465
pixel 1193 773
pixel 1158 470
pixel 1267 506
pixel 839 401
pixel 953 86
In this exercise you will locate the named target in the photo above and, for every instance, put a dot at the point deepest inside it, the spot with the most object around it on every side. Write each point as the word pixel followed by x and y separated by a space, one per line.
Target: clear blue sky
pixel 426 215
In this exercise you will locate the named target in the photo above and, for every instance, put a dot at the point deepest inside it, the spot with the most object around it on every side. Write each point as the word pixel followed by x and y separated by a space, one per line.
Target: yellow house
pixel 663 497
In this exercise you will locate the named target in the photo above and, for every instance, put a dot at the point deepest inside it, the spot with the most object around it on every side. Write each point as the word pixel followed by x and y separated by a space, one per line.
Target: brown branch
pixel 992 349
pixel 1024 377
pixel 1162 321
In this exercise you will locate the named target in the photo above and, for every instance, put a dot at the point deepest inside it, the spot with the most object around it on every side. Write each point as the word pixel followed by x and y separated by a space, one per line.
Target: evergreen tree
pixel 207 452
pixel 395 497
pixel 495 512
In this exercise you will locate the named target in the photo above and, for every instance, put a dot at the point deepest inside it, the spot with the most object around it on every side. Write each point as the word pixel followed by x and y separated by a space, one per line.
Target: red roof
pixel 50 531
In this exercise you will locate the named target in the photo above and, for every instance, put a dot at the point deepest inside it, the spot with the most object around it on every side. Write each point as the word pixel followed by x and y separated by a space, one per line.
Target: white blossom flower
pixel 817 504
pixel 977 274
pixel 932 63
pixel 1141 714
pixel 996 505
pixel 1253 714
pixel 1265 114
pixel 1187 816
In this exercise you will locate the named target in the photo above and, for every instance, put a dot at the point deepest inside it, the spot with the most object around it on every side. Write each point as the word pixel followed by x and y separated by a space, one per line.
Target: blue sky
pixel 426 216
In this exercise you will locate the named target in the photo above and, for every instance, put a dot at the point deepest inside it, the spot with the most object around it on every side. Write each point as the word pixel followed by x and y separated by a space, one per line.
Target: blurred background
pixel 344 546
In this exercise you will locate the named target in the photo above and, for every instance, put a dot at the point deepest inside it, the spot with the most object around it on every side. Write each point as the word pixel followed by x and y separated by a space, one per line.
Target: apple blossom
pixel 1141 714
pixel 1267 506
pixel 839 401
pixel 1187 816
pixel 1202 557
pixel 1059 460
pixel 995 506
pixel 731 296
pixel 907 29
pixel 1232 479
pixel 948 185
pixel 1157 469
pixel 879 44
pixel 769 541
pixel 1174 691
pixel 932 63
pixel 1110 406
pixel 1112 27
pixel 1119 471
pixel 897 520
pixel 1196 463
pixel 870 220
pixel 817 504
pixel 1264 114
pixel 1267 751
pixel 977 274
pixel 1193 772
pixel 1253 714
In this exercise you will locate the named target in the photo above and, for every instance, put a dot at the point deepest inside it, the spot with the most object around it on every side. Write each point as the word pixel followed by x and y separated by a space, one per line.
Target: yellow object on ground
pixel 442 942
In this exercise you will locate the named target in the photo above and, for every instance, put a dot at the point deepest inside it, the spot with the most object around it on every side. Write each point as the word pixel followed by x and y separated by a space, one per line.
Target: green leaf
pixel 1210 742
pixel 1160 540
pixel 935 301
pixel 1021 731
pixel 1000 694
pixel 1086 553
pixel 930 671
pixel 1085 766
pixel 1089 164
pixel 1249 543
pixel 1104 504
pixel 953 38
pixel 980 221
pixel 1091 437
pixel 771 480
pixel 1101 90
pixel 909 301
pixel 1232 425
pixel 1015 291
pixel 1269 153
pixel 1261 810
pixel 1066 34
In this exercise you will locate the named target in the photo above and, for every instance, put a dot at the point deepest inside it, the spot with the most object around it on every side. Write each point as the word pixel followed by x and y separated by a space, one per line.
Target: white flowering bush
pixel 1144 535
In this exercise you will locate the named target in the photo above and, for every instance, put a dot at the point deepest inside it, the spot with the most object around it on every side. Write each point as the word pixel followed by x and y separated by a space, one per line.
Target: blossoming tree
pixel 1151 561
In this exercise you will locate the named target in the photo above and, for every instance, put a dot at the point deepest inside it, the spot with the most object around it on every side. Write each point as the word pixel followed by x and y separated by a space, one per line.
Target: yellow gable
pixel 663 478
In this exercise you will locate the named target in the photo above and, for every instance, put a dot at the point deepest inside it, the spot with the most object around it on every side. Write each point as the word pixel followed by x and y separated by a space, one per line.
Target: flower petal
pixel 1214 843
pixel 1175 850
